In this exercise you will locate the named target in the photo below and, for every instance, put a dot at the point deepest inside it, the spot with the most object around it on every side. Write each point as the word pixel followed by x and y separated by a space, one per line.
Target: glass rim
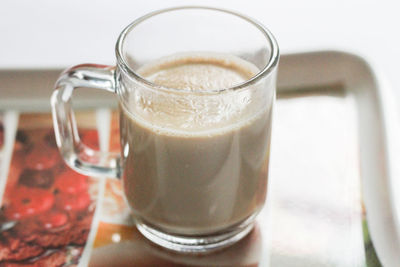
pixel 272 62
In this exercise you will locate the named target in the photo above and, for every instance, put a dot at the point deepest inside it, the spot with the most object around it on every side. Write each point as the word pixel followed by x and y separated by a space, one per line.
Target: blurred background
pixel 47 33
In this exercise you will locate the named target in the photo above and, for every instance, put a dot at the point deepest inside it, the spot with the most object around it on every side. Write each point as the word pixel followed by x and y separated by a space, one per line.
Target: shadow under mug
pixel 189 191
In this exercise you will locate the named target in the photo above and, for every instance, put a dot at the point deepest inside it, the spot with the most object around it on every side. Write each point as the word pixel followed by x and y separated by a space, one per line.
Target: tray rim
pixel 380 193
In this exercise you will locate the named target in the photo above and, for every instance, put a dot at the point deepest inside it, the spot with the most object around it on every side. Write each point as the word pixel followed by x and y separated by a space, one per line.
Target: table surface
pixel 46 33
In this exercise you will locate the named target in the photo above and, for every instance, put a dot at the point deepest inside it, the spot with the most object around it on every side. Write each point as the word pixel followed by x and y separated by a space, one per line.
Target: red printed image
pixel 114 132
pixel 47 208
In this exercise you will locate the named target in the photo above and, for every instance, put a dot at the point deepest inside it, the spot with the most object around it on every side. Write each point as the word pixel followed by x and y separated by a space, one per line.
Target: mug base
pixel 195 244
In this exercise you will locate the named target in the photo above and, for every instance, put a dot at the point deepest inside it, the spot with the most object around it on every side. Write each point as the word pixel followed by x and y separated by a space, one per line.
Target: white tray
pixel 334 143
pixel 371 139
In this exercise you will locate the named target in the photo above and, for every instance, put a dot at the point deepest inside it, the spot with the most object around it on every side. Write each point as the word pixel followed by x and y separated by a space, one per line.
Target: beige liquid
pixel 195 164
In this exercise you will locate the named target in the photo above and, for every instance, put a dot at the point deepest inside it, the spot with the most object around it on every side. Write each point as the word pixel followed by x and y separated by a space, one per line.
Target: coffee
pixel 196 160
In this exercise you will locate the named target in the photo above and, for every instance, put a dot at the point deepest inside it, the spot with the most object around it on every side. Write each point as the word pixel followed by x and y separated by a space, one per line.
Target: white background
pixel 50 33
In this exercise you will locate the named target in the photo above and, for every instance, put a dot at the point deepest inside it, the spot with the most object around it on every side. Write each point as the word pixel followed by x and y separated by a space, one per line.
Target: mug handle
pixel 75 153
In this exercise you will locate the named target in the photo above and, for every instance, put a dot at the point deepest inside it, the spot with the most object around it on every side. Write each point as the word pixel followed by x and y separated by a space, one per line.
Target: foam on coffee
pixel 196 114
pixel 199 71
pixel 196 163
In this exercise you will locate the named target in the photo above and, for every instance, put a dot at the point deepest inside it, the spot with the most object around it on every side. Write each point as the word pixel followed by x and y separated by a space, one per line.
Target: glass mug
pixel 193 163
